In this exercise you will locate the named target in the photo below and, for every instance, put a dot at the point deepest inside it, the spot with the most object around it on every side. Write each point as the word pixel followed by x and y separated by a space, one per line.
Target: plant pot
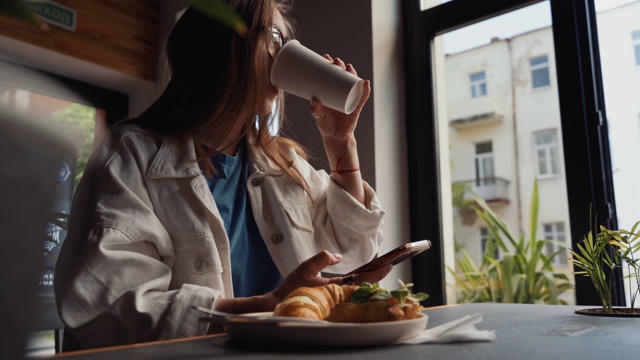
pixel 617 312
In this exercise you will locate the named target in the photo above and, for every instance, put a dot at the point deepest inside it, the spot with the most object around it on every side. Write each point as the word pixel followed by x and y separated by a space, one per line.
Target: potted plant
pixel 598 254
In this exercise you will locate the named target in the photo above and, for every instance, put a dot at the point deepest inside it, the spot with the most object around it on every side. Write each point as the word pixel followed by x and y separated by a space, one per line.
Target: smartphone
pixel 394 256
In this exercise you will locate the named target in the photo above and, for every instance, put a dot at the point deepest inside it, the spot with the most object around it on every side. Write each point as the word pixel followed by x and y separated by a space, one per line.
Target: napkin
pixel 460 330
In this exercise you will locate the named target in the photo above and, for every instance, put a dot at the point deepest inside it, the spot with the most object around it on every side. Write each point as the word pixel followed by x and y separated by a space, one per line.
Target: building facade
pixel 504 131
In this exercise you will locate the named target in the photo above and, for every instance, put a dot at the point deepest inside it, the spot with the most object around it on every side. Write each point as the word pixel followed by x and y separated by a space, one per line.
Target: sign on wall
pixel 54 14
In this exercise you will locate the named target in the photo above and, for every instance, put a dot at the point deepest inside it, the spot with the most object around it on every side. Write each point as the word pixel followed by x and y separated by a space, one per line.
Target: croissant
pixel 331 302
pixel 314 302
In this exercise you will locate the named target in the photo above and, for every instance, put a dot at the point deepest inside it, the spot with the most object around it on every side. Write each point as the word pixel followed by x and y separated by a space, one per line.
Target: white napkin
pixel 461 330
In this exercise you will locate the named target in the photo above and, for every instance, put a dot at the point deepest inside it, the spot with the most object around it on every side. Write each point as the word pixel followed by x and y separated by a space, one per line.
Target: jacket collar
pixel 258 160
pixel 175 159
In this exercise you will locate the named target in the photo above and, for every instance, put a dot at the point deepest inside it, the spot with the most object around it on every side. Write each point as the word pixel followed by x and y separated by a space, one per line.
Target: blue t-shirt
pixel 253 271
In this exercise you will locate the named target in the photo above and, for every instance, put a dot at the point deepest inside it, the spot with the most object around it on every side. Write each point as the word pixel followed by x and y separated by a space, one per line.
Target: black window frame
pixel 587 160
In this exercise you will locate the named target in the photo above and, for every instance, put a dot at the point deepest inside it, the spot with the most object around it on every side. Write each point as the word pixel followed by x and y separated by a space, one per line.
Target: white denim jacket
pixel 146 243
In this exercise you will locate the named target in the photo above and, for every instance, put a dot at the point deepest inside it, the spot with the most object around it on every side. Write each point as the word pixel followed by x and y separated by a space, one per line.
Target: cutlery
pixel 261 319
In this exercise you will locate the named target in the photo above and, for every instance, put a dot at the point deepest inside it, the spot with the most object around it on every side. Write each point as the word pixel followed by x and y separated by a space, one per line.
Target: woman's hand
pixel 337 130
pixel 308 274
pixel 334 125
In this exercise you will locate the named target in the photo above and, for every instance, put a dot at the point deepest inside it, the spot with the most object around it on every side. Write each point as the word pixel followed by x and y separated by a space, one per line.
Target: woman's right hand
pixel 308 274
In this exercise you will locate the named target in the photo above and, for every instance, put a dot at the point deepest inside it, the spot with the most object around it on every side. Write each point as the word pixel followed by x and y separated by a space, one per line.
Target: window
pixel 478 84
pixel 555 233
pixel 635 36
pixel 484 239
pixel 547 153
pixel 563 39
pixel 483 163
pixel 539 71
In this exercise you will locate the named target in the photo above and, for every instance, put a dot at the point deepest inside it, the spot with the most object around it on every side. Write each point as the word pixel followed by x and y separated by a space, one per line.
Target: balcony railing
pixel 491 189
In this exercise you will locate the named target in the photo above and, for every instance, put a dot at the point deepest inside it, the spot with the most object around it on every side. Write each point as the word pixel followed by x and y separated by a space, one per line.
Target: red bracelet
pixel 340 171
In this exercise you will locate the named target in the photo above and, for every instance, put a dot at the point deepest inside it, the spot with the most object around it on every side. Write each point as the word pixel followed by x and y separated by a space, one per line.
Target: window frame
pixel 538 67
pixel 636 46
pixel 555 234
pixel 548 157
pixel 587 164
pixel 477 85
pixel 479 162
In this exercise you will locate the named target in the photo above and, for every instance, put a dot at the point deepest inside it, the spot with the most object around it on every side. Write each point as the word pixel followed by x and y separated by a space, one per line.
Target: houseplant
pixel 524 274
pixel 598 254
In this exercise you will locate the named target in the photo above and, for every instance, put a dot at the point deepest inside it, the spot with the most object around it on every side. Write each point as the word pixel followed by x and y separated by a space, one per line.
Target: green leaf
pixel 222 12
pixel 364 292
pixel 17 10
pixel 533 213
pixel 368 292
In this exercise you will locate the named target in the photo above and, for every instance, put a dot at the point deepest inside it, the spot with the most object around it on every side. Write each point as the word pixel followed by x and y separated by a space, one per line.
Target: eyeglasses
pixel 276 42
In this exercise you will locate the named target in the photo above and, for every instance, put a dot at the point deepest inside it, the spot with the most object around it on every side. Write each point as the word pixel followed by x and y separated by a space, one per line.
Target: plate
pixel 327 334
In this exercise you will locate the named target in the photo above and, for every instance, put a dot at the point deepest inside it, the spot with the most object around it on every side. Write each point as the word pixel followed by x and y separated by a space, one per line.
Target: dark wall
pixel 341 29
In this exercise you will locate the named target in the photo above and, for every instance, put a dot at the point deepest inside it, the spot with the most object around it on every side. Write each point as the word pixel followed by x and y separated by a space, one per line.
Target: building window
pixel 547 153
pixel 483 164
pixel 635 36
pixel 478 84
pixel 484 239
pixel 540 72
pixel 555 233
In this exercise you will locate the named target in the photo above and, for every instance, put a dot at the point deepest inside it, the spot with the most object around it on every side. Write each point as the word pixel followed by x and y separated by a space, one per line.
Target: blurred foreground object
pixel 31 152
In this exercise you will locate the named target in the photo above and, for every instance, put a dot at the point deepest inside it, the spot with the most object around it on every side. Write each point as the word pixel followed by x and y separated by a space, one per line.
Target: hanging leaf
pixel 16 9
pixel 221 11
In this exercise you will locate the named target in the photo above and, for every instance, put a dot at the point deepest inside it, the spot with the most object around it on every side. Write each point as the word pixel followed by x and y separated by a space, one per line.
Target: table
pixel 523 331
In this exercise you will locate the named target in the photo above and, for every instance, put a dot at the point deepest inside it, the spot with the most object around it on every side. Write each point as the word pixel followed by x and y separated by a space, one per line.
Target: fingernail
pixel 338 256
pixel 313 102
pixel 388 268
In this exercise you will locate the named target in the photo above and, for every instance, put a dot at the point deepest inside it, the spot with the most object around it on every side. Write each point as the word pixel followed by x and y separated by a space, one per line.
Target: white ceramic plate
pixel 328 335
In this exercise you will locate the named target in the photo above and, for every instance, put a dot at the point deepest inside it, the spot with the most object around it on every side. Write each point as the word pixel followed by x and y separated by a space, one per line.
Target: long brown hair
pixel 215 74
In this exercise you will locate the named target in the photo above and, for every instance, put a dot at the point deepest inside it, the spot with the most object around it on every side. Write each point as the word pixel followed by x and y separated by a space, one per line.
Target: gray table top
pixel 522 332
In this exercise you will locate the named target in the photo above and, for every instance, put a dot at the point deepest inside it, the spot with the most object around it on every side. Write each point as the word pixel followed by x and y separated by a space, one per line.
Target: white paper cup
pixel 302 72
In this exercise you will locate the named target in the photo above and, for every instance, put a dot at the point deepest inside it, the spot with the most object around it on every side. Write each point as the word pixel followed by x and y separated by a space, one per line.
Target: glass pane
pixel 477 76
pixel 547 137
pixel 618 29
pixel 483 148
pixel 509 117
pixel 542 163
pixel 540 60
pixel 554 160
pixel 540 78
pixel 428 4
pixel 487 168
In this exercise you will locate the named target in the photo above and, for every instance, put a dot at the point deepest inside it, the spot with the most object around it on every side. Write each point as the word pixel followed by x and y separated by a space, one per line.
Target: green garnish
pixel 368 291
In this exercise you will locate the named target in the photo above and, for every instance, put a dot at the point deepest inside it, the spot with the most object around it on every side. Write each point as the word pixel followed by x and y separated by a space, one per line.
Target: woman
pixel 194 203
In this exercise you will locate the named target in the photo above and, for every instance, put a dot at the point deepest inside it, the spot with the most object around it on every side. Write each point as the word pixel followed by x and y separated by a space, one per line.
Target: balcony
pixel 476 121
pixel 493 190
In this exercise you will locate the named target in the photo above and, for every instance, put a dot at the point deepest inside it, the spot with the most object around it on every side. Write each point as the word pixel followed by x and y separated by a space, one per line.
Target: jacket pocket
pixel 197 262
pixel 299 217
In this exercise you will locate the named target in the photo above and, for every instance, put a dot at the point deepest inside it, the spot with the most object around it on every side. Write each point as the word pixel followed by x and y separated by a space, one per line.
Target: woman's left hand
pixel 333 124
